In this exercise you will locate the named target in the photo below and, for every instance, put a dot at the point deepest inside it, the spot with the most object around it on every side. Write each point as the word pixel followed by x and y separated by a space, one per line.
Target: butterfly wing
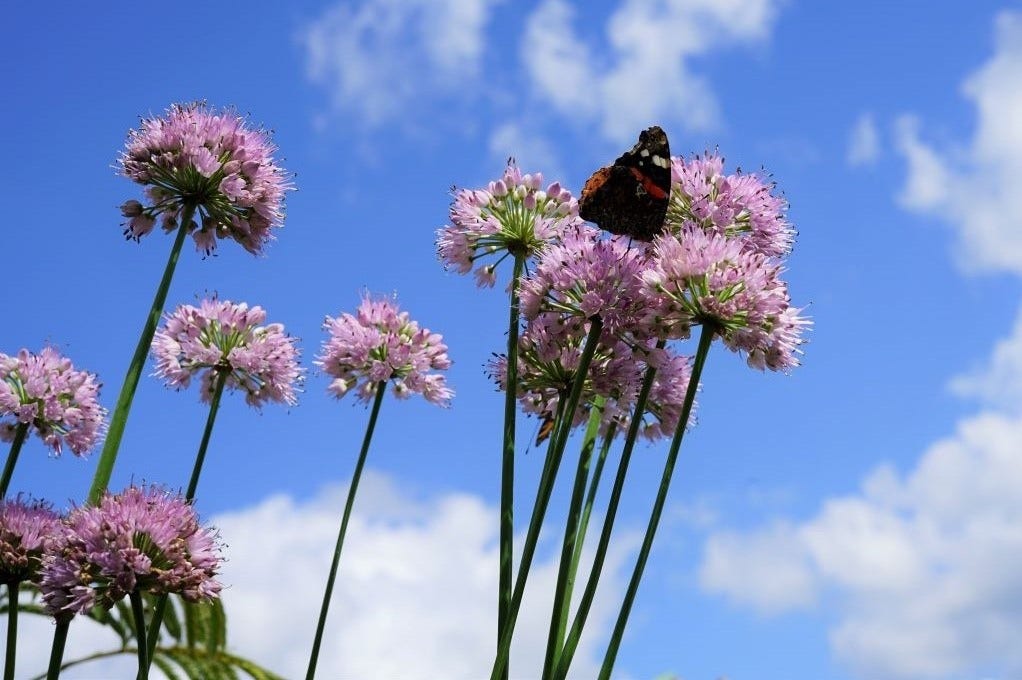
pixel 630 197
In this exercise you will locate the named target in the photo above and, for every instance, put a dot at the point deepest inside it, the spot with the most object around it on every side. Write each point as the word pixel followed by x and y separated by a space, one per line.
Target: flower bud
pixel 131 208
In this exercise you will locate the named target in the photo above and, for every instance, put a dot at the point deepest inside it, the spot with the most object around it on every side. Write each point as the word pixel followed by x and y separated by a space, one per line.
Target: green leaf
pixel 171 620
pixel 168 669
pixel 195 650
pixel 119 618
pixel 198 664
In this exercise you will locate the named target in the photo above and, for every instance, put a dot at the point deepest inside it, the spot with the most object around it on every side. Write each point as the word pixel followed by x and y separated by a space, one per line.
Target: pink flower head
pixel 586 276
pixel 737 205
pixel 666 397
pixel 143 539
pixel 212 160
pixel 700 277
pixel 379 344
pixel 27 530
pixel 513 215
pixel 219 336
pixel 548 359
pixel 59 403
pixel 549 352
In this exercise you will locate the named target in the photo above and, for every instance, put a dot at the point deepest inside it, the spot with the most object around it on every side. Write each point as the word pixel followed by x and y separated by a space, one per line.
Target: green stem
pixel 587 510
pixel 507 470
pixel 160 608
pixel 12 457
pixel 57 650
pixel 136 611
pixel 705 339
pixel 596 570
pixel 214 407
pixel 565 575
pixel 12 629
pixel 352 489
pixel 546 484
pixel 105 466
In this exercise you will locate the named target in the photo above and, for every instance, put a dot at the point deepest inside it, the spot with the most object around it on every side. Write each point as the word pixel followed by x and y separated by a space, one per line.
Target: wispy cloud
pixel 974 186
pixel 642 70
pixel 863 142
pixel 387 60
pixel 378 57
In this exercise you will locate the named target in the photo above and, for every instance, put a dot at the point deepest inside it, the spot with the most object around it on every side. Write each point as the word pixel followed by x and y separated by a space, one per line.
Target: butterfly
pixel 546 428
pixel 630 197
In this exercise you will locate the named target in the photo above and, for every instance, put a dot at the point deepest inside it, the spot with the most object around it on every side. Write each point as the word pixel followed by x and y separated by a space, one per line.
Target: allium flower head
pixel 27 530
pixel 737 205
pixel 220 336
pixel 548 359
pixel 513 216
pixel 144 539
pixel 58 402
pixel 699 277
pixel 379 344
pixel 549 351
pixel 209 159
pixel 584 275
pixel 662 412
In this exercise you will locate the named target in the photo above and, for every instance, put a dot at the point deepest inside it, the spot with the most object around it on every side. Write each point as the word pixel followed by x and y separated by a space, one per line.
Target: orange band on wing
pixel 647 184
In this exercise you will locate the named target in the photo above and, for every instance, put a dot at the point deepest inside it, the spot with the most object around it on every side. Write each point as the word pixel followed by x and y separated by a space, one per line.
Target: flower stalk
pixel 507 473
pixel 587 508
pixel 57 650
pixel 138 616
pixel 12 629
pixel 352 489
pixel 20 433
pixel 214 406
pixel 546 484
pixel 105 464
pixel 586 601
pixel 573 535
pixel 160 608
pixel 706 336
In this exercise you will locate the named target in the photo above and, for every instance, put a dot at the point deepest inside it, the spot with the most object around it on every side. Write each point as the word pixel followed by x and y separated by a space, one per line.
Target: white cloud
pixel 415 595
pixel 974 187
pixel 378 57
pixel 559 63
pixel 863 142
pixel 999 383
pixel 781 580
pixel 642 73
pixel 924 566
pixel 382 59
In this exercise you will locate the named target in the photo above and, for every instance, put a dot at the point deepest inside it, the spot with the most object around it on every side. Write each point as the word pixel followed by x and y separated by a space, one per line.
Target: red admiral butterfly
pixel 630 197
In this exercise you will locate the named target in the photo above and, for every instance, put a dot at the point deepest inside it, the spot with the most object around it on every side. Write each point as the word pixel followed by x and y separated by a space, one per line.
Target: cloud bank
pixel 919 568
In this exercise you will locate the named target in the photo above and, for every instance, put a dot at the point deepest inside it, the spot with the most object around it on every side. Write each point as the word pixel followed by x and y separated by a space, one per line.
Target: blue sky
pixel 857 519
